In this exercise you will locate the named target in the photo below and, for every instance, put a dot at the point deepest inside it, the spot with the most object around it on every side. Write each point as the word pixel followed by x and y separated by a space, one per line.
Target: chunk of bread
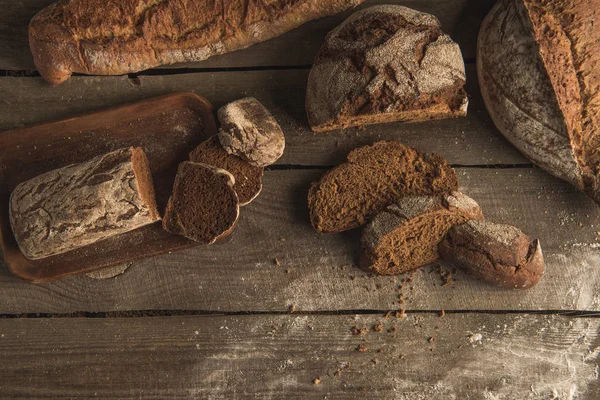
pixel 203 207
pixel 385 63
pixel 374 177
pixel 496 253
pixel 82 204
pixel 248 178
pixel 406 235
pixel 248 130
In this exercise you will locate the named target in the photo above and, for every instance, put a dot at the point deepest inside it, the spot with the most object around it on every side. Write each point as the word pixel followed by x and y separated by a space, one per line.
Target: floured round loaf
pixel 406 235
pixel 203 206
pixel 248 178
pixel 496 253
pixel 537 63
pixel 102 37
pixel 385 63
pixel 248 130
pixel 374 177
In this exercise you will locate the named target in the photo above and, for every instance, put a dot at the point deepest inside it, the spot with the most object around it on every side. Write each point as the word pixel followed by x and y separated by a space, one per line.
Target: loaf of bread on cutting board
pixel 116 37
pixel 84 203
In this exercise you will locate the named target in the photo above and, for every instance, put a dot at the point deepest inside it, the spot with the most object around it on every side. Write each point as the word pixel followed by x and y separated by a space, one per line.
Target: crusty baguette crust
pixel 108 38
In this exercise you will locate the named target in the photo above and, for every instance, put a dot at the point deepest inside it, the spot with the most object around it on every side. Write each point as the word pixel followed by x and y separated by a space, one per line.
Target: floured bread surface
pixel 248 178
pixel 203 206
pixel 81 204
pixel 116 37
pixel 248 130
pixel 385 63
pixel 406 235
pixel 374 177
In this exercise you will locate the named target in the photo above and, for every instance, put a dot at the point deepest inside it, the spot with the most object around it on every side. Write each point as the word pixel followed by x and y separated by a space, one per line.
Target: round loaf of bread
pixel 537 66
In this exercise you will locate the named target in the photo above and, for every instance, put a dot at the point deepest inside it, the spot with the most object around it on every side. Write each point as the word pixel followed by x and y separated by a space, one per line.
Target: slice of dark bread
pixel 374 177
pixel 204 206
pixel 406 235
pixel 248 178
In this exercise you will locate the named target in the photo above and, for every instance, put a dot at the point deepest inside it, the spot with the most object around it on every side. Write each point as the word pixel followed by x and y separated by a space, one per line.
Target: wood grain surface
pixel 459 18
pixel 476 356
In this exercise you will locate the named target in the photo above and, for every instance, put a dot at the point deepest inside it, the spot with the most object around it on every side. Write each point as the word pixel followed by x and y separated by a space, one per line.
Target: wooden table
pixel 229 322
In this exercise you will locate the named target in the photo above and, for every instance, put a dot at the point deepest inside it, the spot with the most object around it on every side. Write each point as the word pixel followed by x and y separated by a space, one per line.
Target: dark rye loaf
pixel 84 203
pixel 385 63
pixel 406 235
pixel 203 206
pixel 496 253
pixel 374 177
pixel 537 63
pixel 248 178
pixel 116 37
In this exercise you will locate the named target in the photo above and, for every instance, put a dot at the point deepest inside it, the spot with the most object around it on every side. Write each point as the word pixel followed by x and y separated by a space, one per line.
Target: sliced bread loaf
pixel 203 206
pixel 248 178
pixel 385 63
pixel 406 235
pixel 248 130
pixel 496 253
pixel 374 177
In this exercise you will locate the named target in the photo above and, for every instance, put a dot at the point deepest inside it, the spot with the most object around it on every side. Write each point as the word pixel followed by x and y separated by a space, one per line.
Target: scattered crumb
pixel 339 371
pixel 362 348
pixel 380 351
pixel 387 315
pixel 378 328
pixel 292 308
pixel 277 262
pixel 356 331
pixel 431 339
pixel 393 329
pixel 375 361
pixel 402 356
pixel 442 313
pixel 362 389
pixel 401 314
pixel 317 381
pixel 287 271
pixel 282 239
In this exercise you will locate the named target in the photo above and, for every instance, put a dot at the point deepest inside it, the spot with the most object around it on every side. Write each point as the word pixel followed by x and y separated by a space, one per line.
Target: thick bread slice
pixel 496 253
pixel 385 63
pixel 117 37
pixel 203 206
pixel 248 130
pixel 406 235
pixel 84 203
pixel 248 178
pixel 374 177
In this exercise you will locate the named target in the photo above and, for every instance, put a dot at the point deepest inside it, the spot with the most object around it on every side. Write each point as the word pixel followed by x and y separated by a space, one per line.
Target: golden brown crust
pixel 106 38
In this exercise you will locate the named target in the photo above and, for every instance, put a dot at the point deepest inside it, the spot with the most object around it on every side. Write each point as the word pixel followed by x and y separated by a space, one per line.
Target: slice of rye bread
pixel 204 206
pixel 406 235
pixel 248 178
pixel 374 177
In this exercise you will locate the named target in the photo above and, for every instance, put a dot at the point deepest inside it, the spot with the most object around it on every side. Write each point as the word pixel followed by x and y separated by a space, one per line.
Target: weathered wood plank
pixel 460 18
pixel 474 356
pixel 317 271
pixel 466 141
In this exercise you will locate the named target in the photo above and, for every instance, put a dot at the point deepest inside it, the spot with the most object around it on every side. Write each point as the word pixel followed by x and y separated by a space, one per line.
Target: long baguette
pixel 102 37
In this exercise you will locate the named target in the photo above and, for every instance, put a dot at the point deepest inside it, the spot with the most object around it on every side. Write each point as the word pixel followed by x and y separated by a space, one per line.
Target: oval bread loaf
pixel 537 63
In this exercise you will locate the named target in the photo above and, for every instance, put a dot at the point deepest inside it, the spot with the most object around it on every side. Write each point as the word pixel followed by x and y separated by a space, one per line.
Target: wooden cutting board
pixel 166 127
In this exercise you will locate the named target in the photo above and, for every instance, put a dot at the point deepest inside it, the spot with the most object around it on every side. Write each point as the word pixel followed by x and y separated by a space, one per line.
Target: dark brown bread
pixel 374 177
pixel 537 62
pixel 499 254
pixel 203 207
pixel 385 63
pixel 406 235
pixel 248 178
pixel 117 37
pixel 81 204
pixel 248 130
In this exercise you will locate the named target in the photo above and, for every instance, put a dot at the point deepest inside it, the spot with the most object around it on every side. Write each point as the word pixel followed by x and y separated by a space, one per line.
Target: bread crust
pixel 385 63
pixel 116 37
pixel 537 67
